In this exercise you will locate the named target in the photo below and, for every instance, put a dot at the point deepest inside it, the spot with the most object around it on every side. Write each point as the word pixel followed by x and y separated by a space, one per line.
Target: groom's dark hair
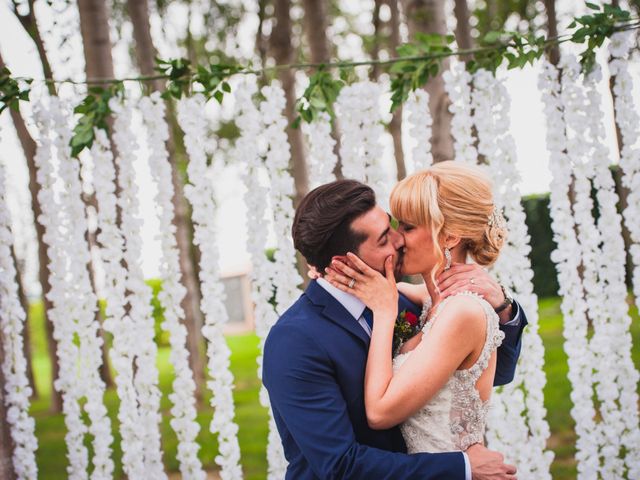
pixel 322 224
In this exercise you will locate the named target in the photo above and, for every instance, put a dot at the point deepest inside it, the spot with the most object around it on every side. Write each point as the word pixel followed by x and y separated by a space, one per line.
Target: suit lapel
pixel 334 311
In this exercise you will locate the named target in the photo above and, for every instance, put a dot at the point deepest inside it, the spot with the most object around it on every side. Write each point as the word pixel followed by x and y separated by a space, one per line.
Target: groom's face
pixel 381 240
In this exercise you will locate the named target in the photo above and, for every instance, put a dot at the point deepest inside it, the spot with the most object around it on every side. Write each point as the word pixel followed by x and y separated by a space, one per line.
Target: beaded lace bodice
pixel 455 418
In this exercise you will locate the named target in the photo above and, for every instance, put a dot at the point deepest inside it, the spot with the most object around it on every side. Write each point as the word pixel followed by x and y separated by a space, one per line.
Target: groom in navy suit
pixel 315 355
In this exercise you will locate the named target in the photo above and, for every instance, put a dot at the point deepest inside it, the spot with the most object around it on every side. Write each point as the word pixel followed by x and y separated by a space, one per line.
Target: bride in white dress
pixel 439 386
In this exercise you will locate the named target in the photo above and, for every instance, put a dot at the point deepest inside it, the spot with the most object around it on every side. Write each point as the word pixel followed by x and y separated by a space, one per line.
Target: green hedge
pixel 545 279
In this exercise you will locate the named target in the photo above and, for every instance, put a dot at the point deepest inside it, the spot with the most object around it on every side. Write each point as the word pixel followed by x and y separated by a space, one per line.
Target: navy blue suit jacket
pixel 314 363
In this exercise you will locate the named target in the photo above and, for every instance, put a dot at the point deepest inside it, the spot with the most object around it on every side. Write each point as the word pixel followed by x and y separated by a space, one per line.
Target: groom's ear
pixel 344 259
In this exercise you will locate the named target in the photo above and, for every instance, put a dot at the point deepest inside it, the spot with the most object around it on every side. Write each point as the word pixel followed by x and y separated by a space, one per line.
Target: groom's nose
pixel 397 240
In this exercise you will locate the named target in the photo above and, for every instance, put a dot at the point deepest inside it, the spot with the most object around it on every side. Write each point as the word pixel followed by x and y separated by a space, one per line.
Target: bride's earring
pixel 447 256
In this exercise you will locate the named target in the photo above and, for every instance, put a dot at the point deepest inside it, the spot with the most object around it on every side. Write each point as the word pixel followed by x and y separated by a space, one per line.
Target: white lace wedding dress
pixel 455 418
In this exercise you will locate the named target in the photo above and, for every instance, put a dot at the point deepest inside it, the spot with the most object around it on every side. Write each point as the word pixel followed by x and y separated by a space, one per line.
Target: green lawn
pixel 252 418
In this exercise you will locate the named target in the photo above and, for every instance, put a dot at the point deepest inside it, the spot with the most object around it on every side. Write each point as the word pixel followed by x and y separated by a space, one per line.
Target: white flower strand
pixel 618 376
pixel 518 426
pixel 418 118
pixel 14 364
pixel 122 352
pixel 568 259
pixel 199 192
pixel 249 152
pixel 582 156
pixel 321 157
pixel 73 314
pixel 140 318
pixel 457 83
pixel 358 109
pixel 628 121
pixel 67 351
pixel 83 297
pixel 277 162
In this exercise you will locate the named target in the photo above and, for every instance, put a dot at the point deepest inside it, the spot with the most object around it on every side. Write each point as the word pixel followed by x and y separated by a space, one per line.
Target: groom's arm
pixel 509 350
pixel 312 417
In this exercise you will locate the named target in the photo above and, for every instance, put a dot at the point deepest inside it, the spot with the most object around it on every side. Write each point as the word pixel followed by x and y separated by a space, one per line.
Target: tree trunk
pixel 428 16
pixel 552 30
pixel 29 23
pixel 96 44
pixel 315 26
pixel 283 53
pixel 463 29
pixel 395 126
pixel 6 443
pixel 145 53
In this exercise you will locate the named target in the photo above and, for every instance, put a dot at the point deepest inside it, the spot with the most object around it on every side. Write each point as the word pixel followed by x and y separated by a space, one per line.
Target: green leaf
pixel 492 37
pixel 592 6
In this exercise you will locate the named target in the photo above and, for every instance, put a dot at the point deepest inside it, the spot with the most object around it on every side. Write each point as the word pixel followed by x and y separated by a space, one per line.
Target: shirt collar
pixel 350 302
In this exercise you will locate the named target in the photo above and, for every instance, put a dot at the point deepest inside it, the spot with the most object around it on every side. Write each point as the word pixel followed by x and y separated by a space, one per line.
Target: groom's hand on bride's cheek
pixel 469 277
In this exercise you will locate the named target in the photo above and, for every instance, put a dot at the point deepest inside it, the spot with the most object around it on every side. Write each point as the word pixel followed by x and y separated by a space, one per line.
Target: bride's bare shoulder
pixel 461 313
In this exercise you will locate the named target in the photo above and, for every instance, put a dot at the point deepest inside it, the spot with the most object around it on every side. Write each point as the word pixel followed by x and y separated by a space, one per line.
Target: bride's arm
pixel 415 293
pixel 390 399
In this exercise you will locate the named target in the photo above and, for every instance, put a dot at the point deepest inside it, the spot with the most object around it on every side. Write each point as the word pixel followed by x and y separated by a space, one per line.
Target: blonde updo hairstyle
pixel 452 199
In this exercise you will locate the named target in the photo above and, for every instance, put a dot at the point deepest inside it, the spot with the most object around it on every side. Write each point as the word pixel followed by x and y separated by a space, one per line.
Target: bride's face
pixel 419 256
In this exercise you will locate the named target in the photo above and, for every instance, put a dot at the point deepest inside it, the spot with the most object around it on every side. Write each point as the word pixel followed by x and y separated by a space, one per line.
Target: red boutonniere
pixel 407 325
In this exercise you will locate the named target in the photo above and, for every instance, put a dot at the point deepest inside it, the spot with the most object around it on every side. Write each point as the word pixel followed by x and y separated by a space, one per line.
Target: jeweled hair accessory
pixel 496 219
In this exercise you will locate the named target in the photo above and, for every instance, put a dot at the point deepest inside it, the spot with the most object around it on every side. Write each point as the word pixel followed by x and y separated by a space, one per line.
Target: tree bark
pixel 315 26
pixel 428 16
pixel 145 53
pixel 96 44
pixel 552 30
pixel 463 29
pixel 283 53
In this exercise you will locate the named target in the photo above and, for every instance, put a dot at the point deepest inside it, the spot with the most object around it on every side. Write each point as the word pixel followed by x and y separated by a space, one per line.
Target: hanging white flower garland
pixel 517 426
pixel 358 109
pixel 123 349
pixel 199 192
pixel 14 364
pixel 277 159
pixel 139 317
pixel 73 313
pixel 249 152
pixel 457 83
pixel 616 374
pixel 584 159
pixel 568 259
pixel 628 121
pixel 321 156
pixel 418 118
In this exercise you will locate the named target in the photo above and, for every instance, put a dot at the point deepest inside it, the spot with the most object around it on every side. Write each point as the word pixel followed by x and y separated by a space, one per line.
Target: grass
pixel 252 418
